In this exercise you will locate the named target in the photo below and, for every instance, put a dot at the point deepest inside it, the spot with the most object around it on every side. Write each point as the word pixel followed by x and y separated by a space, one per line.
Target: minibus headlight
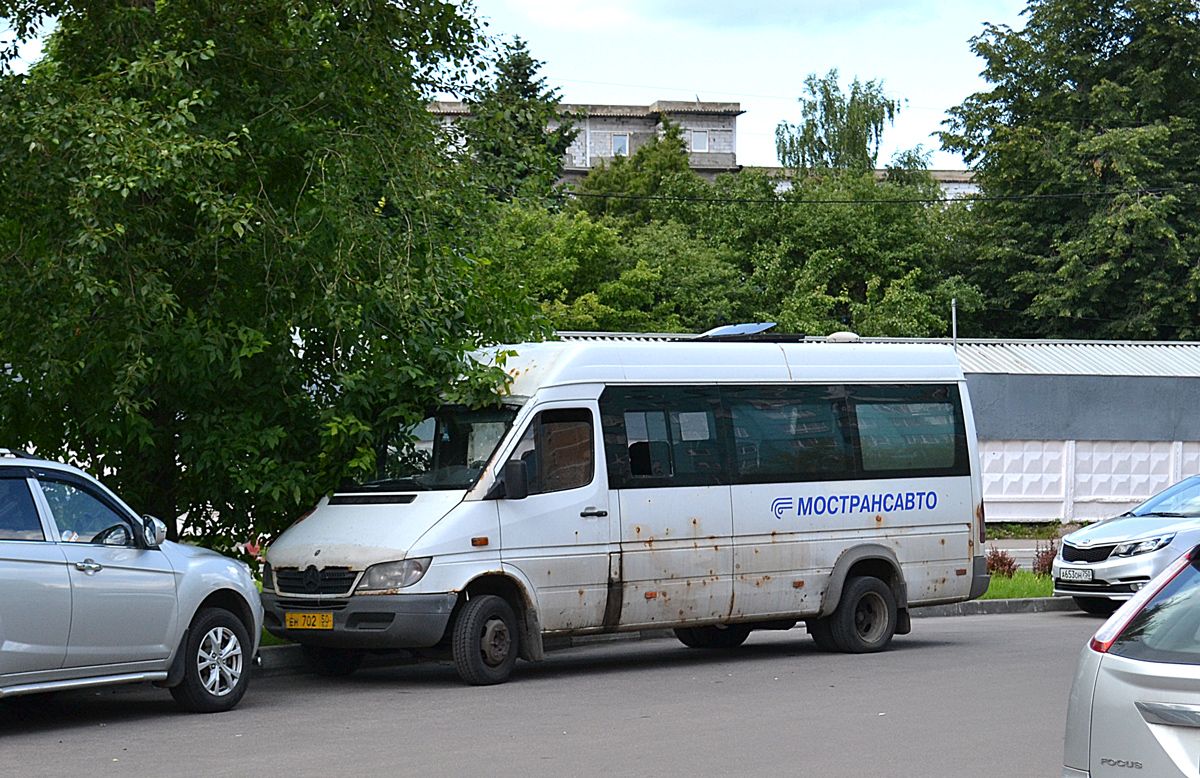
pixel 393 575
pixel 1136 547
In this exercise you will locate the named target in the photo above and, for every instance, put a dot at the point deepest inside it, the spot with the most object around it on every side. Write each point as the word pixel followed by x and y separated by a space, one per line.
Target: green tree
pixel 509 130
pixel 1086 150
pixel 607 274
pixel 842 252
pixel 619 188
pixel 838 131
pixel 234 247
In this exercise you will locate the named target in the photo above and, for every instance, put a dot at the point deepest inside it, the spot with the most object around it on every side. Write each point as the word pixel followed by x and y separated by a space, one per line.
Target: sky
pixel 758 53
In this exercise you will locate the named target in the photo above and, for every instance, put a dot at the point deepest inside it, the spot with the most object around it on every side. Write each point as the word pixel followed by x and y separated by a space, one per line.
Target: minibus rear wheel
pixel 865 619
pixel 485 642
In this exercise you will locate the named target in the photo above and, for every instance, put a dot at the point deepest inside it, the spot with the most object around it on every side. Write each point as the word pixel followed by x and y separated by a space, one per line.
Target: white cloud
pixel 776 14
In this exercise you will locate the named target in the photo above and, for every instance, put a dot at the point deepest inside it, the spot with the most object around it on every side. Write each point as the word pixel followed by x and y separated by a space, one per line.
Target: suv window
pixel 1168 628
pixel 18 514
pixel 82 518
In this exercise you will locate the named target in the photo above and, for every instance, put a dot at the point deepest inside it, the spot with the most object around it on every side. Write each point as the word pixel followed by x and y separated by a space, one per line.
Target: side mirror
pixel 516 479
pixel 154 531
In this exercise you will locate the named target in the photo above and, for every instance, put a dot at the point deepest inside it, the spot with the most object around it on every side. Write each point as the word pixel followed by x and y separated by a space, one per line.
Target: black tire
pixel 216 663
pixel 1096 605
pixel 485 643
pixel 332 662
pixel 822 633
pixel 865 619
pixel 731 636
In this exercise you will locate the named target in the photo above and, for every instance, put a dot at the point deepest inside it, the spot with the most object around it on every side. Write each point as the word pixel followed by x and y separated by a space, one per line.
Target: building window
pixel 700 140
pixel 620 144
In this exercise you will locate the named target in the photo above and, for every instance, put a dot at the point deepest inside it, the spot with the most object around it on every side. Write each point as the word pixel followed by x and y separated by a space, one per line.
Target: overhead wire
pixel 880 200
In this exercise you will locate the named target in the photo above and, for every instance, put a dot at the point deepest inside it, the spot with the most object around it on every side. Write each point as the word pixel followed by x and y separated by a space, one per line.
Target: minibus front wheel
pixel 485 640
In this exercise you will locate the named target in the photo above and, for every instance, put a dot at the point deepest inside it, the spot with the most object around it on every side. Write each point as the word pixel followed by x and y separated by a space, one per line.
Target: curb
pixel 990 607
pixel 289 660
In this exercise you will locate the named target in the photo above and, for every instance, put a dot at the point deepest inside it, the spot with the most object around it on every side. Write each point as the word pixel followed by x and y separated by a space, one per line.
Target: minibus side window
pixel 657 436
pixel 790 433
pixel 558 451
pixel 649 446
pixel 909 431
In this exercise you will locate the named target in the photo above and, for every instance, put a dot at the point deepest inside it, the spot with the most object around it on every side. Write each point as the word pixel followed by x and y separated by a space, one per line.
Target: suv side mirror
pixel 516 479
pixel 154 531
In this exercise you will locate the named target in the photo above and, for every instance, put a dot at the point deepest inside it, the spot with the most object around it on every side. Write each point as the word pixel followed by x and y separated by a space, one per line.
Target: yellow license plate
pixel 309 620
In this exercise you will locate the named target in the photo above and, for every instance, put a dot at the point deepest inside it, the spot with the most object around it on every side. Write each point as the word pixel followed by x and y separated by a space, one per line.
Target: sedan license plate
pixel 1074 574
pixel 309 620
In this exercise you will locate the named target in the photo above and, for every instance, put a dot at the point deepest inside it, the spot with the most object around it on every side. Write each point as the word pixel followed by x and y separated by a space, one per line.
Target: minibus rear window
pixel 1168 628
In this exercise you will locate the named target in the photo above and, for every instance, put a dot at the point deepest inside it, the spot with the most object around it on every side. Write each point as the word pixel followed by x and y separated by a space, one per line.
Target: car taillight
pixel 1112 629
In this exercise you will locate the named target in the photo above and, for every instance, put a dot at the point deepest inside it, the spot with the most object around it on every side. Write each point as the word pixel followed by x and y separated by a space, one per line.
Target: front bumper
pixel 1115 578
pixel 375 621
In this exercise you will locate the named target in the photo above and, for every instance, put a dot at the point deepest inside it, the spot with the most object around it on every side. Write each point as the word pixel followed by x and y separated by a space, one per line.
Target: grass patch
pixel 268 639
pixel 1022 584
pixel 1048 530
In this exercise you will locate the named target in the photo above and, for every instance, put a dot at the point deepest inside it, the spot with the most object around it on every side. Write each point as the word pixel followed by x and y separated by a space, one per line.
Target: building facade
pixel 709 134
pixel 610 131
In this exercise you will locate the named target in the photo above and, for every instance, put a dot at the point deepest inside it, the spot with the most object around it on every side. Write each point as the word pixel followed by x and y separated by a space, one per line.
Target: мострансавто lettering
pixel 855 503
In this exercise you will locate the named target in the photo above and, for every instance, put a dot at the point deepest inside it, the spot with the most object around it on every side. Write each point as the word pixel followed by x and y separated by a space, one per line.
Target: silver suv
pixel 94 594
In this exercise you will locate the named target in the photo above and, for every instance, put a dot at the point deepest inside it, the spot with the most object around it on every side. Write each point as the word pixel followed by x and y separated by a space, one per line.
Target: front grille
pixel 1091 554
pixel 322 605
pixel 331 580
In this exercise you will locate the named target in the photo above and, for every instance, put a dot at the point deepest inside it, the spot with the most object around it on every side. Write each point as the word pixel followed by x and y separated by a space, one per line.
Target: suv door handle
pixel 593 512
pixel 89 566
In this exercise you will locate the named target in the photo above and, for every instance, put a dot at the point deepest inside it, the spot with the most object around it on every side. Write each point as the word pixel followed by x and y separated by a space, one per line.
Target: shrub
pixel 1043 558
pixel 1000 563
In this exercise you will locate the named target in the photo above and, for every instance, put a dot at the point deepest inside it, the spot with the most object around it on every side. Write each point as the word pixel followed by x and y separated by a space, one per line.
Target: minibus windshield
pixel 446 451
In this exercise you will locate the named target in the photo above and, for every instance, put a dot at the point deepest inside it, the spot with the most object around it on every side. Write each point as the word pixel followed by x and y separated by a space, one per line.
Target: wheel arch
pixel 225 599
pixel 873 560
pixel 235 603
pixel 519 597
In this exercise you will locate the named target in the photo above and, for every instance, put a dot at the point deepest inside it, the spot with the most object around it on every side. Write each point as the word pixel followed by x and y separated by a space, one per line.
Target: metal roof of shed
pixel 1074 357
pixel 1024 357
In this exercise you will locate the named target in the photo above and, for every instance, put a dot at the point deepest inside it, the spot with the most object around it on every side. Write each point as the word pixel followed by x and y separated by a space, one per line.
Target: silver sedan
pixel 1104 564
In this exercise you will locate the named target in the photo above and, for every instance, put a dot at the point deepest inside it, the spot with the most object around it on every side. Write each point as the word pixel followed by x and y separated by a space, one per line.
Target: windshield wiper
pixel 1170 514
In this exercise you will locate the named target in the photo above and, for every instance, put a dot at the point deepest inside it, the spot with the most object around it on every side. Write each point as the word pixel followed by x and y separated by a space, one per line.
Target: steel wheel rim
pixel 870 617
pixel 496 642
pixel 219 661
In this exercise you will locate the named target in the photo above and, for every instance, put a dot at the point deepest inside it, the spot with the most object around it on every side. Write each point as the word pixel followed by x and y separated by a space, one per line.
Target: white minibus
pixel 712 488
